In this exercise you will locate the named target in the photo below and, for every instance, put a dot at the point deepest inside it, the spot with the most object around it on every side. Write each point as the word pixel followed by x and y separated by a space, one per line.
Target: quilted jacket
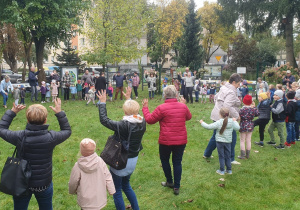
pixel 38 146
pixel 171 117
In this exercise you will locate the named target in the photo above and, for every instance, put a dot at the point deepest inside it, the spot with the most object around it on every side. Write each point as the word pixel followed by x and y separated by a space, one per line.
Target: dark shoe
pixel 167 184
pixel 243 155
pixel 280 146
pixel 247 154
pixel 176 191
pixel 271 143
pixel 261 144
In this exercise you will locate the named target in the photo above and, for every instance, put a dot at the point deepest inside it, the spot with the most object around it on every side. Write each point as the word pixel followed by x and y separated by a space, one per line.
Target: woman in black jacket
pixel 38 147
pixel 132 125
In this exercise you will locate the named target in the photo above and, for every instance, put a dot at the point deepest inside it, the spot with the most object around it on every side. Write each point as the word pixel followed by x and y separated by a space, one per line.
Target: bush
pixel 276 74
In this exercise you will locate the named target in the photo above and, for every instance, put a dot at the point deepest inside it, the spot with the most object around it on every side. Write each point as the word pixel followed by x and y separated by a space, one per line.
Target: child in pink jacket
pixel 90 178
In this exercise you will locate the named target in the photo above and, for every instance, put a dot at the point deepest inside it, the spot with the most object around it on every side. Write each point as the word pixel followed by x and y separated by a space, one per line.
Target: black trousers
pixel 43 97
pixel 135 91
pixel 262 125
pixel 189 92
pixel 66 93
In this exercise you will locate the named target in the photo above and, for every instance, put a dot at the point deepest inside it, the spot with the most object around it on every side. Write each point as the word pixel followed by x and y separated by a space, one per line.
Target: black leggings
pixel 188 92
pixel 135 91
pixel 262 125
pixel 66 93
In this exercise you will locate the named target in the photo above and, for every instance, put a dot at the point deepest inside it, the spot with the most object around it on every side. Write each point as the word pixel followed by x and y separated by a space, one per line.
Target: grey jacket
pixel 189 81
pixel 226 97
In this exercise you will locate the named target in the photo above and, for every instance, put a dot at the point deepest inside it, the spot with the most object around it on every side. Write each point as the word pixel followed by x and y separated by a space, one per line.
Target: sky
pixel 199 3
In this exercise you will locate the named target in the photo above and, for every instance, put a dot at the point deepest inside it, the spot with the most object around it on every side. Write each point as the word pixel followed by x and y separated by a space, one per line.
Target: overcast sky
pixel 199 3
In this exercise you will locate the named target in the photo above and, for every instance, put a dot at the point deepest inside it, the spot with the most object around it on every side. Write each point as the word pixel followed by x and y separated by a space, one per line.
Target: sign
pixel 73 72
pixel 241 70
pixel 213 71
pixel 218 58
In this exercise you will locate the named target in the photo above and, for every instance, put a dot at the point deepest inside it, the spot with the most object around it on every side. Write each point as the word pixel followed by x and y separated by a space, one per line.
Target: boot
pixel 247 154
pixel 242 156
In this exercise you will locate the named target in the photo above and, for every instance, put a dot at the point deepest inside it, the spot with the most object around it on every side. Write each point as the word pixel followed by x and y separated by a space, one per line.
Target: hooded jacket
pixel 89 179
pixel 226 97
pixel 226 137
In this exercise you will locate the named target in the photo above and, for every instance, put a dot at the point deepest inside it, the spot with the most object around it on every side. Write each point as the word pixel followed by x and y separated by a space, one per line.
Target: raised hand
pixel 18 108
pixel 102 96
pixel 182 100
pixel 128 93
pixel 57 103
pixel 145 102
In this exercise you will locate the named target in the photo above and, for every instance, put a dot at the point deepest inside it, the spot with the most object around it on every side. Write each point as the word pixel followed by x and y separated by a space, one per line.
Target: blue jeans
pixel 150 94
pixel 43 198
pixel 212 145
pixel 297 124
pixel 34 93
pixel 196 96
pixel 123 183
pixel 290 131
pixel 5 97
pixel 177 153
pixel 224 151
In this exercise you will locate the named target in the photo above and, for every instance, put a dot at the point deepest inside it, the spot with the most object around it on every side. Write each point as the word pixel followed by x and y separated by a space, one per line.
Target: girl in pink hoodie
pixel 90 178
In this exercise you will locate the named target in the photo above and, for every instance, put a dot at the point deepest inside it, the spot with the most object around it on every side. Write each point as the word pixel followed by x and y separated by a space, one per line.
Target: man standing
pixel 119 84
pixel 288 79
pixel 33 82
pixel 100 83
pixel 135 83
pixel 87 78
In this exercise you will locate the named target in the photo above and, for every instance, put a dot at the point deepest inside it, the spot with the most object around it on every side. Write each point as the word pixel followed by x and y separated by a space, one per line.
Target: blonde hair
pixel 295 84
pixel 279 86
pixel 36 114
pixel 224 112
pixel 271 86
pixel 131 107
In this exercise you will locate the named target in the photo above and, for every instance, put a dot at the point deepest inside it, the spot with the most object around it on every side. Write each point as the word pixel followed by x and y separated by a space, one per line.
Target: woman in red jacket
pixel 173 136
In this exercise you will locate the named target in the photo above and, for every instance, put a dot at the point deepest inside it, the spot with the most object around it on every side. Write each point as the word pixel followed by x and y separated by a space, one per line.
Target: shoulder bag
pixel 115 152
pixel 15 174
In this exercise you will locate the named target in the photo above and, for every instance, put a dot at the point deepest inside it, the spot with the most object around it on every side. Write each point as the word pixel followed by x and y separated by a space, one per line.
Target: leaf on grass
pixel 221 185
pixel 143 154
pixel 64 160
pixel 208 161
pixel 174 205
pixel 256 151
pixel 222 179
pixel 140 187
pixel 275 158
pixel 190 200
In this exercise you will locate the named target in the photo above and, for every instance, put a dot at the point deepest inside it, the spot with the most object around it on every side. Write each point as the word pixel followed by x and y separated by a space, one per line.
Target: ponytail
pixel 224 125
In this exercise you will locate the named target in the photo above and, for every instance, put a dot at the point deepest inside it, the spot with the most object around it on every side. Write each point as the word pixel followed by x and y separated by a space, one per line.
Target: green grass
pixel 268 180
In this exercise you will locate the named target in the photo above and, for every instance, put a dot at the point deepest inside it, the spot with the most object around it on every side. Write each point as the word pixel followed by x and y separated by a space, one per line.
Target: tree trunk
pixel 289 42
pixel 39 51
pixel 27 50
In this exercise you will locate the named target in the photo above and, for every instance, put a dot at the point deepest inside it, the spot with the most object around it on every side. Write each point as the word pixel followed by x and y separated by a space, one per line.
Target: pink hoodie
pixel 89 179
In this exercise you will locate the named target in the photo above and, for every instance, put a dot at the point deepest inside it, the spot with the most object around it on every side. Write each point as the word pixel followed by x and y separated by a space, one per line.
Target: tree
pixel 68 57
pixel 215 33
pixel 10 45
pixel 115 28
pixel 268 50
pixel 190 52
pixel 165 29
pixel 260 15
pixel 48 21
pixel 244 53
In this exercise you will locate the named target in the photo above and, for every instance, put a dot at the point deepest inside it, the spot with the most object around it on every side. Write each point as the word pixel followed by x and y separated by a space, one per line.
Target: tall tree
pixel 215 33
pixel 260 15
pixel 191 53
pixel 68 57
pixel 115 28
pixel 48 21
pixel 166 28
pixel 10 45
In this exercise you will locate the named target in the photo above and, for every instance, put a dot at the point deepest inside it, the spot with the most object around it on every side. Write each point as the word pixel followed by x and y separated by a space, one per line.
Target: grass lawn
pixel 270 179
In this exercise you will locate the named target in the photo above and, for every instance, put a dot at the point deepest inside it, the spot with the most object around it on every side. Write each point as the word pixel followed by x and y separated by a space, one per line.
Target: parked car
pixel 95 70
pixel 14 77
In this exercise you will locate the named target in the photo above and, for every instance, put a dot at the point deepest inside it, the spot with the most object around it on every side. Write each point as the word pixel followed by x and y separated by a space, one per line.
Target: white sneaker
pixel 136 97
pixel 235 162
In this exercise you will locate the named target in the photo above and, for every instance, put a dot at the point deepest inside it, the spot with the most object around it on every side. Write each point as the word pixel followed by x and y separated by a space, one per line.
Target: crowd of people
pixel 90 178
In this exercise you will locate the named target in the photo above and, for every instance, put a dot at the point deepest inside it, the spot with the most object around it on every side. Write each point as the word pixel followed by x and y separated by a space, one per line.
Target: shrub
pixel 276 74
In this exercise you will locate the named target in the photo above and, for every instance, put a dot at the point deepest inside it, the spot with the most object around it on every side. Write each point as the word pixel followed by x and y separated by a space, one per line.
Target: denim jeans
pixel 212 145
pixel 177 153
pixel 34 93
pixel 196 96
pixel 43 198
pixel 151 92
pixel 297 124
pixel 123 183
pixel 5 97
pixel 22 100
pixel 290 131
pixel 224 151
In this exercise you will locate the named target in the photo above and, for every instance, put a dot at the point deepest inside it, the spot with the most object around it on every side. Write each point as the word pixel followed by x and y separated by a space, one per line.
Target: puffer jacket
pixel 89 179
pixel 137 131
pixel 226 137
pixel 38 146
pixel 264 109
pixel 171 116
pixel 226 97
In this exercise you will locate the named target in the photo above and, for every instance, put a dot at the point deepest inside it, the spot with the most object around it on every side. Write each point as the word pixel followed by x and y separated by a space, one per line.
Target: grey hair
pixel 6 77
pixel 235 78
pixel 170 91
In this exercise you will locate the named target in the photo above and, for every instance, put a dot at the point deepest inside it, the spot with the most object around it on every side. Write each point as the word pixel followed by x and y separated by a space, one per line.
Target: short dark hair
pixel 291 94
pixel 235 78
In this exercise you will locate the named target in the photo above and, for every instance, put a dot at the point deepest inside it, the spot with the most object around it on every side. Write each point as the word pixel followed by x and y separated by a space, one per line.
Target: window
pixel 82 41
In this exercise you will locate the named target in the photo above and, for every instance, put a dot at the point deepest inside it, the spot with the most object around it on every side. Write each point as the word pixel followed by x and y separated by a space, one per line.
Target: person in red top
pixel 172 136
